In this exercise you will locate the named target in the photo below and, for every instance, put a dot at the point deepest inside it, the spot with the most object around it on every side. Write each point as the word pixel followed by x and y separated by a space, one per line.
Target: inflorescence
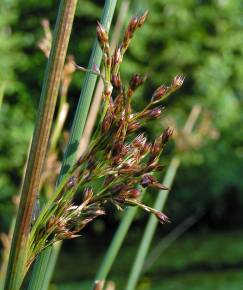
pixel 119 161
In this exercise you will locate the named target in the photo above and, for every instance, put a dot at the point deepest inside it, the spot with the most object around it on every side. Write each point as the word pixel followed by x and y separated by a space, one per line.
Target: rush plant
pixel 119 161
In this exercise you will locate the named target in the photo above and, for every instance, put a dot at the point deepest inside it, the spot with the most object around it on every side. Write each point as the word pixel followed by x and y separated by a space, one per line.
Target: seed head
pixel 101 34
pixel 159 93
pixel 178 81
pixel 167 134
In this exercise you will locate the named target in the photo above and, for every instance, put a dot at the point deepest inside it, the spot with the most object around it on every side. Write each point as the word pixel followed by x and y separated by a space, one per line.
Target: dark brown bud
pixel 71 182
pixel 136 81
pixel 161 216
pixel 132 127
pixel 147 180
pixel 156 148
pixel 118 188
pixel 133 193
pixel 107 122
pixel 133 24
pixel 146 148
pixel 155 112
pixel 167 134
pixel 101 34
pixel 116 81
pixel 159 93
pixel 91 164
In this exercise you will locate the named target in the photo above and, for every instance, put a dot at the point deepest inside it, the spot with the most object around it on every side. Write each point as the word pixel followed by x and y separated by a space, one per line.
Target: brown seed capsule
pixel 132 127
pixel 161 216
pixel 101 34
pixel 71 182
pixel 155 112
pixel 133 193
pixel 167 134
pixel 156 147
pixel 116 81
pixel 146 180
pixel 107 122
pixel 159 93
pixel 136 81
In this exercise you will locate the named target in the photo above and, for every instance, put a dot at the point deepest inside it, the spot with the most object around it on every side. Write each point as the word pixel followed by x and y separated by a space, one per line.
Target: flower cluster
pixel 119 162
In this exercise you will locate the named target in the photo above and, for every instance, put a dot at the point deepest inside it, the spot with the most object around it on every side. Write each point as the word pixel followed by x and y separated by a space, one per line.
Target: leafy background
pixel 201 39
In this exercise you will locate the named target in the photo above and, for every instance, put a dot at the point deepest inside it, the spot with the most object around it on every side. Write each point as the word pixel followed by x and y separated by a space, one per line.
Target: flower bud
pixel 132 127
pixel 142 18
pixel 159 93
pixel 101 34
pixel 117 57
pixel 167 134
pixel 154 113
pixel 146 180
pixel 161 216
pixel 116 81
pixel 136 81
pixel 133 193
pixel 178 81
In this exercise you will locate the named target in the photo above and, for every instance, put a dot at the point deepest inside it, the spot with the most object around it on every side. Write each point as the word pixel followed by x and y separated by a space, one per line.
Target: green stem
pixel 44 266
pixel 2 89
pixel 151 226
pixel 116 243
pixel 51 83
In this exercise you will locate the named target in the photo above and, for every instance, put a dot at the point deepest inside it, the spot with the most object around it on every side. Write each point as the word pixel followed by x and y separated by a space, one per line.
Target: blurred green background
pixel 203 40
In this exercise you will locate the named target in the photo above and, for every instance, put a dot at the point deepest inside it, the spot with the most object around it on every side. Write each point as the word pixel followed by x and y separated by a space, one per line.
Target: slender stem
pixel 151 226
pixel 2 89
pixel 116 243
pixel 51 83
pixel 44 266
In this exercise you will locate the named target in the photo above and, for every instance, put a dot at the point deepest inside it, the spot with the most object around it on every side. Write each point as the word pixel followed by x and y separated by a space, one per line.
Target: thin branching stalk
pixel 159 205
pixel 51 83
pixel 128 217
pixel 44 266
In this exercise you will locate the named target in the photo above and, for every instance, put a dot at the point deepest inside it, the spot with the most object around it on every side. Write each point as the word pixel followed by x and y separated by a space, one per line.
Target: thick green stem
pixel 51 83
pixel 44 266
